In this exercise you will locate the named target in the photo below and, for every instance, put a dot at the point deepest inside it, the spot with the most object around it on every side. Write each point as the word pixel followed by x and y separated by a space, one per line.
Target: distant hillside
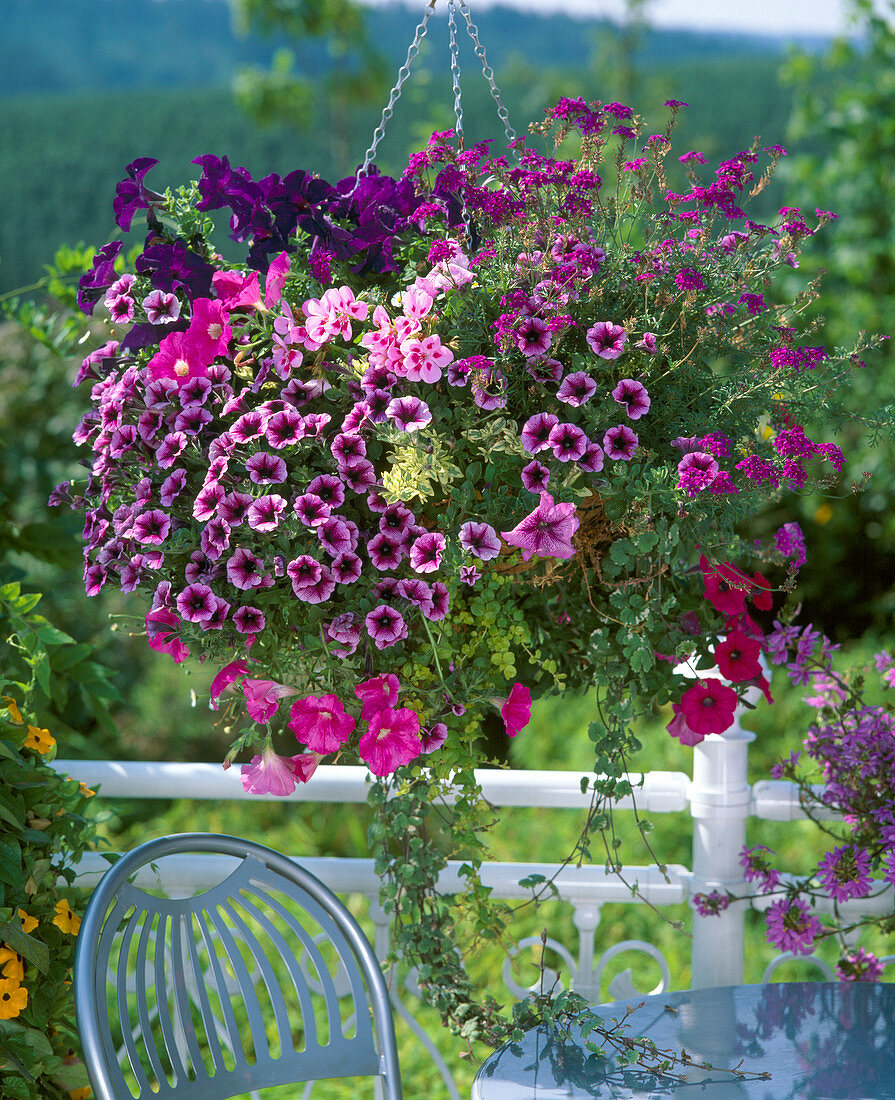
pixel 68 45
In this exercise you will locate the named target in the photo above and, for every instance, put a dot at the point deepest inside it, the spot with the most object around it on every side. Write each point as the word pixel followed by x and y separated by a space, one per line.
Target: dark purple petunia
pixel 131 194
pixel 93 285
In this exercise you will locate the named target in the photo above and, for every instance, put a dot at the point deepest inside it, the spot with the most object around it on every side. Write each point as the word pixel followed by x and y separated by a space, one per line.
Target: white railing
pixel 718 796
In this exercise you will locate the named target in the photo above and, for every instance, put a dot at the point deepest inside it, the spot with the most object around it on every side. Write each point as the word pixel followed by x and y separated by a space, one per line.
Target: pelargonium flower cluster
pixel 446 430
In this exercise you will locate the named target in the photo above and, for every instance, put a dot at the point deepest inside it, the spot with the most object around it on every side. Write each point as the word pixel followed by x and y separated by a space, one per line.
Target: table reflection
pixel 818 1040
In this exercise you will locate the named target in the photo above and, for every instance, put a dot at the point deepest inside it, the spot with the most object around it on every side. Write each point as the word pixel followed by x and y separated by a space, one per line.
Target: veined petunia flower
pixel 547 531
pixel 606 339
pixel 269 774
pixel 377 693
pixel 480 540
pixel 632 394
pixel 620 443
pixel 263 697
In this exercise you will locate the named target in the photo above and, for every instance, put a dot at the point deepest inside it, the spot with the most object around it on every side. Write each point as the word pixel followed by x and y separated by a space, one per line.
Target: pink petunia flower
pixel 160 627
pixel 426 551
pixel 178 358
pixel 377 693
pixel 516 711
pixel 391 740
pixel 225 679
pixel 320 722
pixel 276 775
pixel 263 697
pixel 547 531
pixel 737 657
pixel 275 280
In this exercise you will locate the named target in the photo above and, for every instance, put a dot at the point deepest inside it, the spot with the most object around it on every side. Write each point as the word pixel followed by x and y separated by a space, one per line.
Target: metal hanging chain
pixel 487 71
pixel 404 73
pixel 395 95
pixel 455 71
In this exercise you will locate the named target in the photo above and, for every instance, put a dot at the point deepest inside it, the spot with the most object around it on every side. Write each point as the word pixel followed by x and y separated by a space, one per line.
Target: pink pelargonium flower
pixel 424 359
pixel 377 693
pixel 320 722
pixel 225 679
pixel 273 774
pixel 392 740
pixel 160 627
pixel 708 706
pixel 547 531
pixel 516 711
pixel 263 697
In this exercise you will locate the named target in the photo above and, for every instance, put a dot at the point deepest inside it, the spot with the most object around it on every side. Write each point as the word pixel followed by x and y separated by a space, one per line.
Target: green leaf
pixel 35 951
pixel 10 862
pixel 15 1087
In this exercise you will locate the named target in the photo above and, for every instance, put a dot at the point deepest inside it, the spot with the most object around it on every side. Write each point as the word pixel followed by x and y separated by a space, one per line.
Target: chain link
pixel 487 71
pixel 395 95
pixel 404 73
pixel 455 71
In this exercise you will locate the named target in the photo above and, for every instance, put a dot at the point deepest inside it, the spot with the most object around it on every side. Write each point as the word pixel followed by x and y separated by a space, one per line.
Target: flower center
pixel 181 368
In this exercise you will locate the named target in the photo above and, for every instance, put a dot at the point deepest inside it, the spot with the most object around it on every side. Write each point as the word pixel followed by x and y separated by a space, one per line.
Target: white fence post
pixel 720 802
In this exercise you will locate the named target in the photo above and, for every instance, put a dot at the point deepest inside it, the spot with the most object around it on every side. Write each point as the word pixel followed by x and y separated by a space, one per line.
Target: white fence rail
pixel 718 796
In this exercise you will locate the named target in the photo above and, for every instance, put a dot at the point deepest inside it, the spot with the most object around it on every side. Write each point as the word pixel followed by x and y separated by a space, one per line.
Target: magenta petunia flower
pixel 386 550
pixel 234 507
pixel 264 513
pixel 320 722
pixel 377 693
pixel 441 601
pixel 620 443
pixel 311 510
pixel 334 536
pixel 209 330
pixel 152 527
pixel 632 394
pixel 426 551
pixel 547 531
pixel 469 574
pixel 592 459
pixel 480 540
pixel 533 337
pixel 417 592
pixel 535 476
pixel 178 358
pixel 697 470
pixel 576 389
pixel 516 711
pixel 329 489
pixel 160 627
pixel 244 570
pixel 266 469
pixel 606 339
pixel 195 603
pixel 708 706
pixel 263 697
pixel 385 626
pixel 347 568
pixel 391 740
pixel 737 657
pixel 679 728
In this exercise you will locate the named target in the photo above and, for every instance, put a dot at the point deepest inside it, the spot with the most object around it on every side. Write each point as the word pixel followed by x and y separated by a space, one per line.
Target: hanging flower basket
pixel 441 442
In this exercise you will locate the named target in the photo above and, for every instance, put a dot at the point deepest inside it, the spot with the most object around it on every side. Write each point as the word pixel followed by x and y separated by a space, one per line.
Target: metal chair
pixel 263 979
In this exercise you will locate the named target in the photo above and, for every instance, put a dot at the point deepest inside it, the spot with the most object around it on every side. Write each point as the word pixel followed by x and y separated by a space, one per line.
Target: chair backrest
pixel 264 979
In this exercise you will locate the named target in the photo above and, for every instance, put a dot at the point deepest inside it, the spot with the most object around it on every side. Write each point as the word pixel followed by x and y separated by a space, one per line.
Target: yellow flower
pixel 823 514
pixel 86 792
pixel 13 998
pixel 65 919
pixel 11 964
pixel 29 923
pixel 14 712
pixel 39 740
pixel 81 1094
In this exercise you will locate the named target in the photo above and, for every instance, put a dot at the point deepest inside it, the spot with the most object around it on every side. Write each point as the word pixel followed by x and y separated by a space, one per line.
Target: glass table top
pixel 817 1040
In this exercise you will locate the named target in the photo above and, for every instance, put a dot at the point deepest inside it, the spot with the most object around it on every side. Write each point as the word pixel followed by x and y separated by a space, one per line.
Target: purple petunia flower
pixel 386 550
pixel 311 510
pixel 196 603
pixel 234 507
pixel 329 489
pixel 417 592
pixel 535 476
pixel 533 337
pixel 264 513
pixel 547 531
pixel 162 307
pixel 386 626
pixel 480 540
pixel 576 389
pixel 244 570
pixel 346 568
pixel 620 443
pixel 606 339
pixel 169 450
pixel 697 471
pixel 469 574
pixel 266 469
pixel 248 620
pixel 426 551
pixel 568 442
pixel 433 737
pixel 632 394
pixel 285 428
pixel 151 527
pixel 334 536
pixel 536 432
pixel 592 459
pixel 408 413
pixel 440 602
